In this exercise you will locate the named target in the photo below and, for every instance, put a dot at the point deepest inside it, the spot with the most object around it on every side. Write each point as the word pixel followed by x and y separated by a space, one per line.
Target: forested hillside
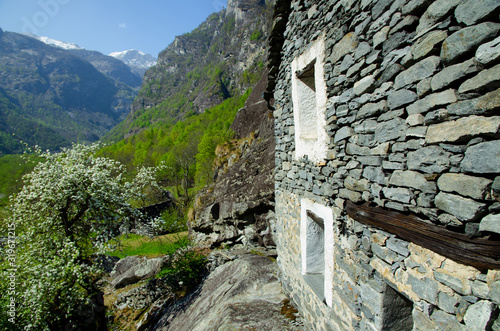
pixel 186 147
pixel 220 59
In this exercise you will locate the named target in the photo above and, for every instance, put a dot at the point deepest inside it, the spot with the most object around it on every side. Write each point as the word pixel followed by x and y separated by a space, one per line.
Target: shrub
pixel 186 268
pixel 256 35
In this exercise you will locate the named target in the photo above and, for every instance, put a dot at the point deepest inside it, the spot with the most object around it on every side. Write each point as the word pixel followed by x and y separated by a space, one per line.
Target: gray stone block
pixel 400 98
pixel 397 194
pixel 453 73
pixel 356 185
pixel 370 160
pixel 480 289
pixel 415 119
pixel 447 303
pixel 390 115
pixel 375 174
pixel 426 44
pixel 489 52
pixel 352 71
pixel 414 6
pixel 482 158
pixel 471 186
pixel 353 149
pixel 462 286
pixel 490 223
pixel 363 49
pixel 392 165
pixel 479 315
pixel 417 72
pixel 467 39
pixel 424 288
pixel 390 130
pixel 432 159
pixel 367 126
pixel 422 322
pixel 346 45
pixel 343 133
pixel 471 12
pixel 484 79
pixel 424 86
pixel 395 40
pixel 372 109
pixel 389 73
pixel 446 322
pixel 463 128
pixel 399 246
pixel 482 105
pixel 350 195
pixel 431 101
pixel 416 132
pixel 364 85
pixel 495 292
pixel 462 208
pixel 435 11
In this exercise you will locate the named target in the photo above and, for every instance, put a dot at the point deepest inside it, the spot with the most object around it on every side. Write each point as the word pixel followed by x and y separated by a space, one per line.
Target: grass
pixel 133 244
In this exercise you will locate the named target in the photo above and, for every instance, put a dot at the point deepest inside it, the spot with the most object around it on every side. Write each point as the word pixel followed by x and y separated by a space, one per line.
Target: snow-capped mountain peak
pixel 135 58
pixel 57 43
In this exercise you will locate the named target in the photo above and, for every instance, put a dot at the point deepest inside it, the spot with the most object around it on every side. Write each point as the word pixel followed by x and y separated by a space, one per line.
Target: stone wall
pixel 412 117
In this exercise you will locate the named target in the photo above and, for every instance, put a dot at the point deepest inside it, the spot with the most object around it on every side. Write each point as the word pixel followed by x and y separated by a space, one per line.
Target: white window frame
pixel 307 238
pixel 309 104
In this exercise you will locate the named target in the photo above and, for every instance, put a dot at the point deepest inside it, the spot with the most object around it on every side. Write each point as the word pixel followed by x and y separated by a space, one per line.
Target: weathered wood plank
pixel 480 253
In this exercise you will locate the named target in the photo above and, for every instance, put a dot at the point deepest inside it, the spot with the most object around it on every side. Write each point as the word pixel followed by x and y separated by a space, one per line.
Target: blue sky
pixel 108 25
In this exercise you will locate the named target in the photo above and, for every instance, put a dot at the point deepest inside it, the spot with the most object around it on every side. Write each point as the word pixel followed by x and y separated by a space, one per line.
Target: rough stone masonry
pixel 408 93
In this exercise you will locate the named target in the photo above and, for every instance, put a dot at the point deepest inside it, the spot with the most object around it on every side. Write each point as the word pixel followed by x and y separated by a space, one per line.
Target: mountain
pixel 52 97
pixel 56 43
pixel 138 61
pixel 111 65
pixel 221 58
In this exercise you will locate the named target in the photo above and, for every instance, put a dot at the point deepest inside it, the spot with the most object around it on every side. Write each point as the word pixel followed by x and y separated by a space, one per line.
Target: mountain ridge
pixel 138 61
pixel 219 59
pixel 49 90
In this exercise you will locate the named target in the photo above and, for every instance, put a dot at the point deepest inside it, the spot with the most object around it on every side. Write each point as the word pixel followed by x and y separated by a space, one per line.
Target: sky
pixel 108 25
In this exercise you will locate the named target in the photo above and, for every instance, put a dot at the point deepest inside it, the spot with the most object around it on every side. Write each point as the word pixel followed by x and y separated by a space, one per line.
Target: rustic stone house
pixel 388 162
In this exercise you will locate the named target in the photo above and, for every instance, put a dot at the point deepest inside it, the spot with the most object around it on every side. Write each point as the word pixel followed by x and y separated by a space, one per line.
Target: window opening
pixel 317 248
pixel 308 114
pixel 397 311
pixel 309 103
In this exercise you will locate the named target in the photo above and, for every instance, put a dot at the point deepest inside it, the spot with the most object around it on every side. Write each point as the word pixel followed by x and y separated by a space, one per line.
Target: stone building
pixel 387 161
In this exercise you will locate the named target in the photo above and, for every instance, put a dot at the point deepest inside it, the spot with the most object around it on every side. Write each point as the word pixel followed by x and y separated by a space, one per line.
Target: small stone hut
pixel 388 162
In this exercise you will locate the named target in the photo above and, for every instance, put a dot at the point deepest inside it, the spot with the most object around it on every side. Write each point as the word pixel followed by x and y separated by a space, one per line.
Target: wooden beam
pixel 480 253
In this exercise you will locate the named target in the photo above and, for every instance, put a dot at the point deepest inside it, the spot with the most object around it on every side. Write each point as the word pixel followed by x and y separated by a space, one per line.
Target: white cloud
pixel 122 25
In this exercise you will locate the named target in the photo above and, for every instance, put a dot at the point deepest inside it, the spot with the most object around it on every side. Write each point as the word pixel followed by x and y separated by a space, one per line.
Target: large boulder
pixel 239 206
pixel 243 294
pixel 133 269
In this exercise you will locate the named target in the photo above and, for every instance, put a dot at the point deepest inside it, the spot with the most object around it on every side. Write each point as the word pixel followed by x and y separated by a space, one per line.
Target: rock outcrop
pixel 239 206
pixel 221 58
pixel 243 294
pixel 133 269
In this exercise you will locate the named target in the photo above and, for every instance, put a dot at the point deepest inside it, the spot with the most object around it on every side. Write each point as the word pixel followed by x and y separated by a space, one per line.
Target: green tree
pixel 69 207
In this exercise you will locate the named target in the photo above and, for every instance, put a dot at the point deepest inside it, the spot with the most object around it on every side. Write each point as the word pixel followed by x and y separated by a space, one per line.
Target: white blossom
pixel 71 204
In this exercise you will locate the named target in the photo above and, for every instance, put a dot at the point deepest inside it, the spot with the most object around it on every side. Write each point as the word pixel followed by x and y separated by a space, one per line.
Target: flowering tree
pixel 71 204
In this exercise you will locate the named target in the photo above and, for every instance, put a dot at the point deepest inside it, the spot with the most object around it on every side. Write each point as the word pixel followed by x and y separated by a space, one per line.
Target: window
pixel 309 103
pixel 316 235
